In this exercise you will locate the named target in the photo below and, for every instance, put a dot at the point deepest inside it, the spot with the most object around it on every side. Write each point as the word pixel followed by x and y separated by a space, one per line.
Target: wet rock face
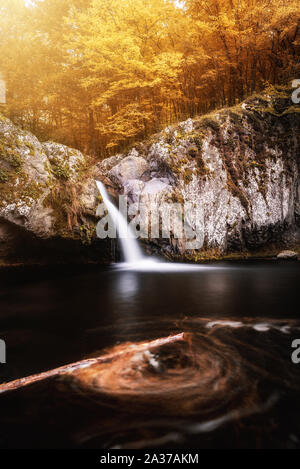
pixel 239 166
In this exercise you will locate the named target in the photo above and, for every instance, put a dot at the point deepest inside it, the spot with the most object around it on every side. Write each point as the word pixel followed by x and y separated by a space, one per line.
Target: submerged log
pixel 67 369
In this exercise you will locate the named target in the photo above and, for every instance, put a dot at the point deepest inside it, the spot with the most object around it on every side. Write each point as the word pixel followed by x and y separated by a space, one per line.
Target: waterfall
pixel 134 258
pixel 129 244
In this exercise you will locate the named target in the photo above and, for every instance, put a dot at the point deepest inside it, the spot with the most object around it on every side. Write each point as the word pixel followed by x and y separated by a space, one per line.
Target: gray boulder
pixel 131 167
pixel 287 255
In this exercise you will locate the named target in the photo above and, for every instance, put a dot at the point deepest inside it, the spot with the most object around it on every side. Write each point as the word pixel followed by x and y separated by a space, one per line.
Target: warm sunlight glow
pixel 108 73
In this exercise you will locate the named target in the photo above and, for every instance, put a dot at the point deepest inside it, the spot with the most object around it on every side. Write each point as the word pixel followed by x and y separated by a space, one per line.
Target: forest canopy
pixel 101 74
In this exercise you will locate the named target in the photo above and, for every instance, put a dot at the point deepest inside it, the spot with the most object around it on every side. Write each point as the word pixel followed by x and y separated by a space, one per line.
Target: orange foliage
pixel 101 74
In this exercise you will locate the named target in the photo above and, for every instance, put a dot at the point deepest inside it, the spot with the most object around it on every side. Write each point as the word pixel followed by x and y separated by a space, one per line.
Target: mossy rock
pixel 60 170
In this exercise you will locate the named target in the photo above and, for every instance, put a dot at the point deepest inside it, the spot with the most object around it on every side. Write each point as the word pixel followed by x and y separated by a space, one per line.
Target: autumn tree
pixel 101 74
pixel 248 43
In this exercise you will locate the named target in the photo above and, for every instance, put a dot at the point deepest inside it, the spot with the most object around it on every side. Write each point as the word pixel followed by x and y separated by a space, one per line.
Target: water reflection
pixel 127 286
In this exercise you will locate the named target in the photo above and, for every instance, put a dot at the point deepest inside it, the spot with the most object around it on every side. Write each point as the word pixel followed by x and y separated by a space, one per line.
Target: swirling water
pixel 230 383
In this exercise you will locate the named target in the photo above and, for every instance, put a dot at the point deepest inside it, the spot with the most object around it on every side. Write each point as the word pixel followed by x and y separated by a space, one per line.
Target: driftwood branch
pixel 67 369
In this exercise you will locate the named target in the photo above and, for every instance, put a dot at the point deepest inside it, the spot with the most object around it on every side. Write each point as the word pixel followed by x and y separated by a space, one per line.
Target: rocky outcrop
pixel 239 166
pixel 48 200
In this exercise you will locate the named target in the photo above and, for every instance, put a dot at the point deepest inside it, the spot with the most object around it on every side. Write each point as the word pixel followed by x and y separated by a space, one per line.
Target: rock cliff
pixel 239 165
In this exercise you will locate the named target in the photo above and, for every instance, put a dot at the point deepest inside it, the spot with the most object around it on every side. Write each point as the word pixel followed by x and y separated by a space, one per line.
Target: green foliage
pixel 33 191
pixel 60 170
pixel 87 233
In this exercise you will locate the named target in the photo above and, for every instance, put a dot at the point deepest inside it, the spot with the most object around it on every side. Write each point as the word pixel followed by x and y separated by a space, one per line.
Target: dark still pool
pixel 189 359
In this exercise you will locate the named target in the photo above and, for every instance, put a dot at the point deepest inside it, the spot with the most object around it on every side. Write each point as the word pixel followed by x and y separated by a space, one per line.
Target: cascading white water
pixel 130 247
pixel 134 258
